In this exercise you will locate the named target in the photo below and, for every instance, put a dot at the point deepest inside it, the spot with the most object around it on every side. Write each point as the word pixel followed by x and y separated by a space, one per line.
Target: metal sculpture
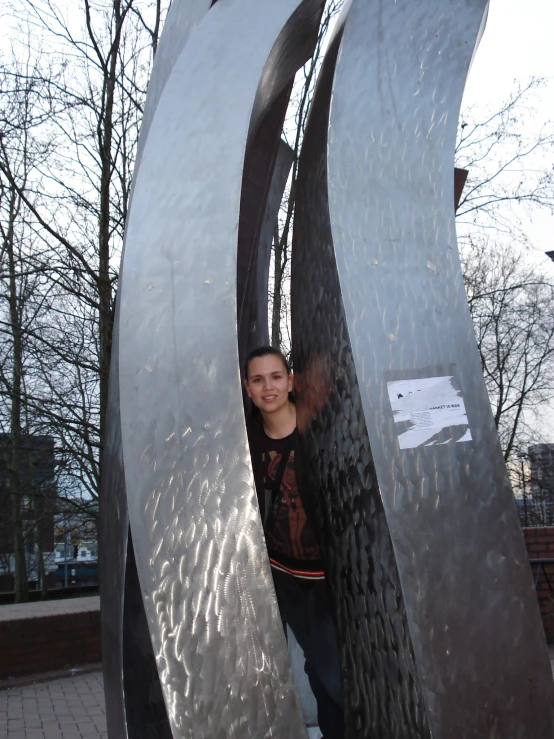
pixel 188 537
pixel 406 443
pixel 415 502
pixel 126 646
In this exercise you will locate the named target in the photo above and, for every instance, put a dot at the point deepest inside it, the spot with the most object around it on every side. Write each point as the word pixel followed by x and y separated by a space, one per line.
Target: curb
pixel 44 677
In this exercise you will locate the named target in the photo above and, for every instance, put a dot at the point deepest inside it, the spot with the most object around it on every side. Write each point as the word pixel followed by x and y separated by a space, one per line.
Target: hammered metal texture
pixel 197 536
pixel 126 646
pixel 381 689
pixel 472 612
pixel 145 711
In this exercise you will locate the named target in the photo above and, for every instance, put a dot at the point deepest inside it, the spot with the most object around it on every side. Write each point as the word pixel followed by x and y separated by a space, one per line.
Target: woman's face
pixel 268 383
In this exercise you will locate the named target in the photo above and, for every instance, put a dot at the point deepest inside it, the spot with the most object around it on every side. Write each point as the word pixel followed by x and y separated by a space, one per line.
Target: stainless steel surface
pixel 473 617
pixel 430 554
pixel 182 18
pixel 259 164
pixel 382 693
pixel 280 175
pixel 114 525
pixel 132 708
pixel 197 536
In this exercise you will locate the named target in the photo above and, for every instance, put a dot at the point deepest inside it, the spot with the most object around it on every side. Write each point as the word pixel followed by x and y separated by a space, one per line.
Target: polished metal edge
pixel 197 536
pixel 182 18
pixel 382 691
pixel 473 616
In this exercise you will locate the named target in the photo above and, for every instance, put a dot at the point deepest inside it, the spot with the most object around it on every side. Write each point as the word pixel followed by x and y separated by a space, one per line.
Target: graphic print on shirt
pixel 288 532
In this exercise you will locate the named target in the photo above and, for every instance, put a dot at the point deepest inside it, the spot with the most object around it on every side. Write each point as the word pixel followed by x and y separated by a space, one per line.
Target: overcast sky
pixel 518 43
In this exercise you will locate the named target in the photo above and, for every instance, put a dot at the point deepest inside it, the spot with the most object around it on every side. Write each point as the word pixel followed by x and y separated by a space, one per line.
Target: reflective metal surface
pixel 439 629
pixel 283 164
pixel 259 163
pixel 114 525
pixel 383 199
pixel 182 18
pixel 197 536
pixel 128 662
pixel 381 688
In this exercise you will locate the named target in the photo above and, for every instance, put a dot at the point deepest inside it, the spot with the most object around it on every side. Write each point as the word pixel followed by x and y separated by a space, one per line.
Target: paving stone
pixel 89 730
pixel 79 711
pixel 96 710
pixel 65 708
pixel 32 723
pixel 49 721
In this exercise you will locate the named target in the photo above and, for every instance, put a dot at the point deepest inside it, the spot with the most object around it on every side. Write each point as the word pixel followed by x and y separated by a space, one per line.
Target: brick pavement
pixel 67 708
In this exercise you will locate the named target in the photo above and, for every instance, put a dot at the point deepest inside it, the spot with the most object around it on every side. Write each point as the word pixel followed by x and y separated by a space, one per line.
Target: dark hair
pixel 263 351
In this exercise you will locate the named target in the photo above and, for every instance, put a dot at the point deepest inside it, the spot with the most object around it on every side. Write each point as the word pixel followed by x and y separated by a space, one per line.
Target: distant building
pixel 76 546
pixel 541 461
pixel 38 500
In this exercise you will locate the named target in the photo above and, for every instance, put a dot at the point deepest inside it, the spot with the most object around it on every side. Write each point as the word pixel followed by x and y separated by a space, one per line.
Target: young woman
pixel 293 547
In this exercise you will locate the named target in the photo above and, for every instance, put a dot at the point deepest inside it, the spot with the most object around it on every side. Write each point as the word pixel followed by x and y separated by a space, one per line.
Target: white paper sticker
pixel 426 408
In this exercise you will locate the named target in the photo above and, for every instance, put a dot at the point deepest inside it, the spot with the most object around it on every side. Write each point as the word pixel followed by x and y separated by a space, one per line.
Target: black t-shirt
pixel 290 537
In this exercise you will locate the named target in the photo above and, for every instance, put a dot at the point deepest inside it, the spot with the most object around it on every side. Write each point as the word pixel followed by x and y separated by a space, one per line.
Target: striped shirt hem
pixel 302 574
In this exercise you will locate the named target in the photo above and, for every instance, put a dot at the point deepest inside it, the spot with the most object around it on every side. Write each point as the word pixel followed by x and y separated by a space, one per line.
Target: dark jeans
pixel 304 606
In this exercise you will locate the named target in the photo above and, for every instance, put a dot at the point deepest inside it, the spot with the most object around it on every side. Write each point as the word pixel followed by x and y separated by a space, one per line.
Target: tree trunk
pixel 21 585
pixel 42 571
pixel 105 136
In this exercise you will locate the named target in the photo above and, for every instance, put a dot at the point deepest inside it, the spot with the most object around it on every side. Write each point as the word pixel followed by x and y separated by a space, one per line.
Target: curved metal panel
pixel 283 164
pixel 198 539
pixel 182 18
pixel 121 656
pixel 259 164
pixel 145 711
pixel 114 525
pixel 474 621
pixel 382 693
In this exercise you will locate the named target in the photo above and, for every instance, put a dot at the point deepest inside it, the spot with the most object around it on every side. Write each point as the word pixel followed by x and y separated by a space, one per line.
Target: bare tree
pixel 66 162
pixel 22 290
pixel 511 174
pixel 80 209
pixel 509 163
pixel 69 133
pixel 511 304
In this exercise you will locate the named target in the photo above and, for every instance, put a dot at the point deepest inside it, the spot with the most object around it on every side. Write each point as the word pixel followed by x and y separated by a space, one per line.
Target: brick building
pixel 37 497
pixel 541 460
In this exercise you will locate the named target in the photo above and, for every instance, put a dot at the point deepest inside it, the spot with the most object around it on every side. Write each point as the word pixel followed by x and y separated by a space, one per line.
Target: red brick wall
pixel 33 645
pixel 540 545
